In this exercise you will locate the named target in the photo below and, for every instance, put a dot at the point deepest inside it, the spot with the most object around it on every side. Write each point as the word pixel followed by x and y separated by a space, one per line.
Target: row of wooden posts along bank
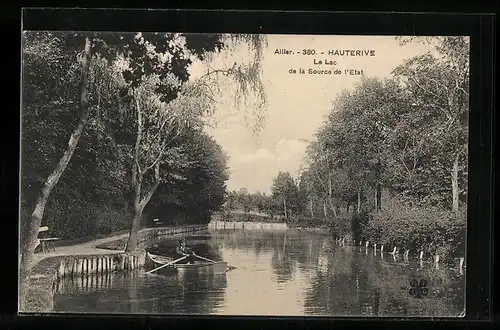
pixel 126 261
pixel 92 283
pixel 396 252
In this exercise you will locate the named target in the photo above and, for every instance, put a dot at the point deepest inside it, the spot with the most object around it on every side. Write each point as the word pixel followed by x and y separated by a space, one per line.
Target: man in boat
pixel 183 250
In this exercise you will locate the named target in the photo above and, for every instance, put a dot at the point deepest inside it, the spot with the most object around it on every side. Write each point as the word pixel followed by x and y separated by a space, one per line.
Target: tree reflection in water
pixel 358 284
pixel 282 263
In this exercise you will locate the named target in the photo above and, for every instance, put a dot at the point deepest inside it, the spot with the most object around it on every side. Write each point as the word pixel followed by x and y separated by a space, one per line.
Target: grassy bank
pixel 40 297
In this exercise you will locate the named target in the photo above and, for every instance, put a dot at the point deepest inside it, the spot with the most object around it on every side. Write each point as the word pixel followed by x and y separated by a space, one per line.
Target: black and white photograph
pixel 243 174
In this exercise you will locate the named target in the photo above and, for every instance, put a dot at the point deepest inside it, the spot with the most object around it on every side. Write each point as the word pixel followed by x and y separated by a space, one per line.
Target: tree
pixel 285 191
pixel 363 114
pixel 164 103
pixel 230 201
pixel 439 84
pixel 406 136
pixel 209 176
pixel 247 201
pixel 196 190
pixel 327 178
pixel 320 170
pixel 243 200
pixel 259 201
pixel 93 178
pixel 30 237
pixel 348 157
pixel 158 125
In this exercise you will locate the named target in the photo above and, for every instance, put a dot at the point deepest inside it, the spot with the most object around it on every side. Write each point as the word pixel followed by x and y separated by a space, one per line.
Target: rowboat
pixel 215 266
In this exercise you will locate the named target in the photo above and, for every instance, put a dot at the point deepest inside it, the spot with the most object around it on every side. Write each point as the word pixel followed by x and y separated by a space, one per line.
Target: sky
pixel 296 103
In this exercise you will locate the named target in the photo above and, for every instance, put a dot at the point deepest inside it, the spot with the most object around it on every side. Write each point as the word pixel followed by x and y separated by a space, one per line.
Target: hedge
pixel 430 230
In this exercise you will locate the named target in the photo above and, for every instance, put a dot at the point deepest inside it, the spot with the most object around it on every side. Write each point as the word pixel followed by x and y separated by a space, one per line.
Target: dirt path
pixel 88 248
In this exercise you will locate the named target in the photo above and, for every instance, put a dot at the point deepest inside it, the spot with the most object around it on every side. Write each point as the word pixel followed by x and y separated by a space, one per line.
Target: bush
pixel 432 230
pixel 104 231
pixel 358 223
pixel 76 220
pixel 340 226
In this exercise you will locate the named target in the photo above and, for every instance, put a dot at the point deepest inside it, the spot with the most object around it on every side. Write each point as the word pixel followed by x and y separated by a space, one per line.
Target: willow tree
pixel 165 101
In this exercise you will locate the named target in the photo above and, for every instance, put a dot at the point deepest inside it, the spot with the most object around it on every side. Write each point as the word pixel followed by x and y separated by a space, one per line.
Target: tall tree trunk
pixel 378 188
pixel 359 201
pixel 138 207
pixel 137 181
pixel 330 201
pixel 332 207
pixel 35 221
pixel 312 209
pixel 378 197
pixel 454 183
pixel 348 206
pixel 134 229
pixel 284 206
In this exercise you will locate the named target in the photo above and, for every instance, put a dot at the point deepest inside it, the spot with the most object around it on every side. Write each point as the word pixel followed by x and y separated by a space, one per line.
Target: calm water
pixel 277 273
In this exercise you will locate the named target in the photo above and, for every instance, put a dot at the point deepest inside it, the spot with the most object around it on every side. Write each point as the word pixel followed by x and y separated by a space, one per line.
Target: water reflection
pixel 277 273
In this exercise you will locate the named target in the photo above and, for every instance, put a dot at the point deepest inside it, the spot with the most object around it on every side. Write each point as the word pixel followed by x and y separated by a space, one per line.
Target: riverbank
pixel 90 258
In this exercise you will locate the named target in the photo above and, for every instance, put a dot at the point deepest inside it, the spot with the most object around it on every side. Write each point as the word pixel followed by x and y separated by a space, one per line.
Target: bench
pixel 44 242
pixel 47 242
pixel 157 222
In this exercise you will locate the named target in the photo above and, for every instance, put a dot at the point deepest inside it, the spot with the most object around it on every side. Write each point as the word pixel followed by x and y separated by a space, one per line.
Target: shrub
pixel 358 223
pixel 432 230
pixel 340 226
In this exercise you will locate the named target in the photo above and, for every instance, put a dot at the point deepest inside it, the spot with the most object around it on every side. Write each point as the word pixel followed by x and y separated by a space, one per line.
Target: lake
pixel 278 272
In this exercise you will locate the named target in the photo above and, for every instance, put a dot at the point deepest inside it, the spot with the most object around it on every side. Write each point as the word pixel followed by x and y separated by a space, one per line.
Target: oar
pixel 165 265
pixel 203 258
pixel 229 267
